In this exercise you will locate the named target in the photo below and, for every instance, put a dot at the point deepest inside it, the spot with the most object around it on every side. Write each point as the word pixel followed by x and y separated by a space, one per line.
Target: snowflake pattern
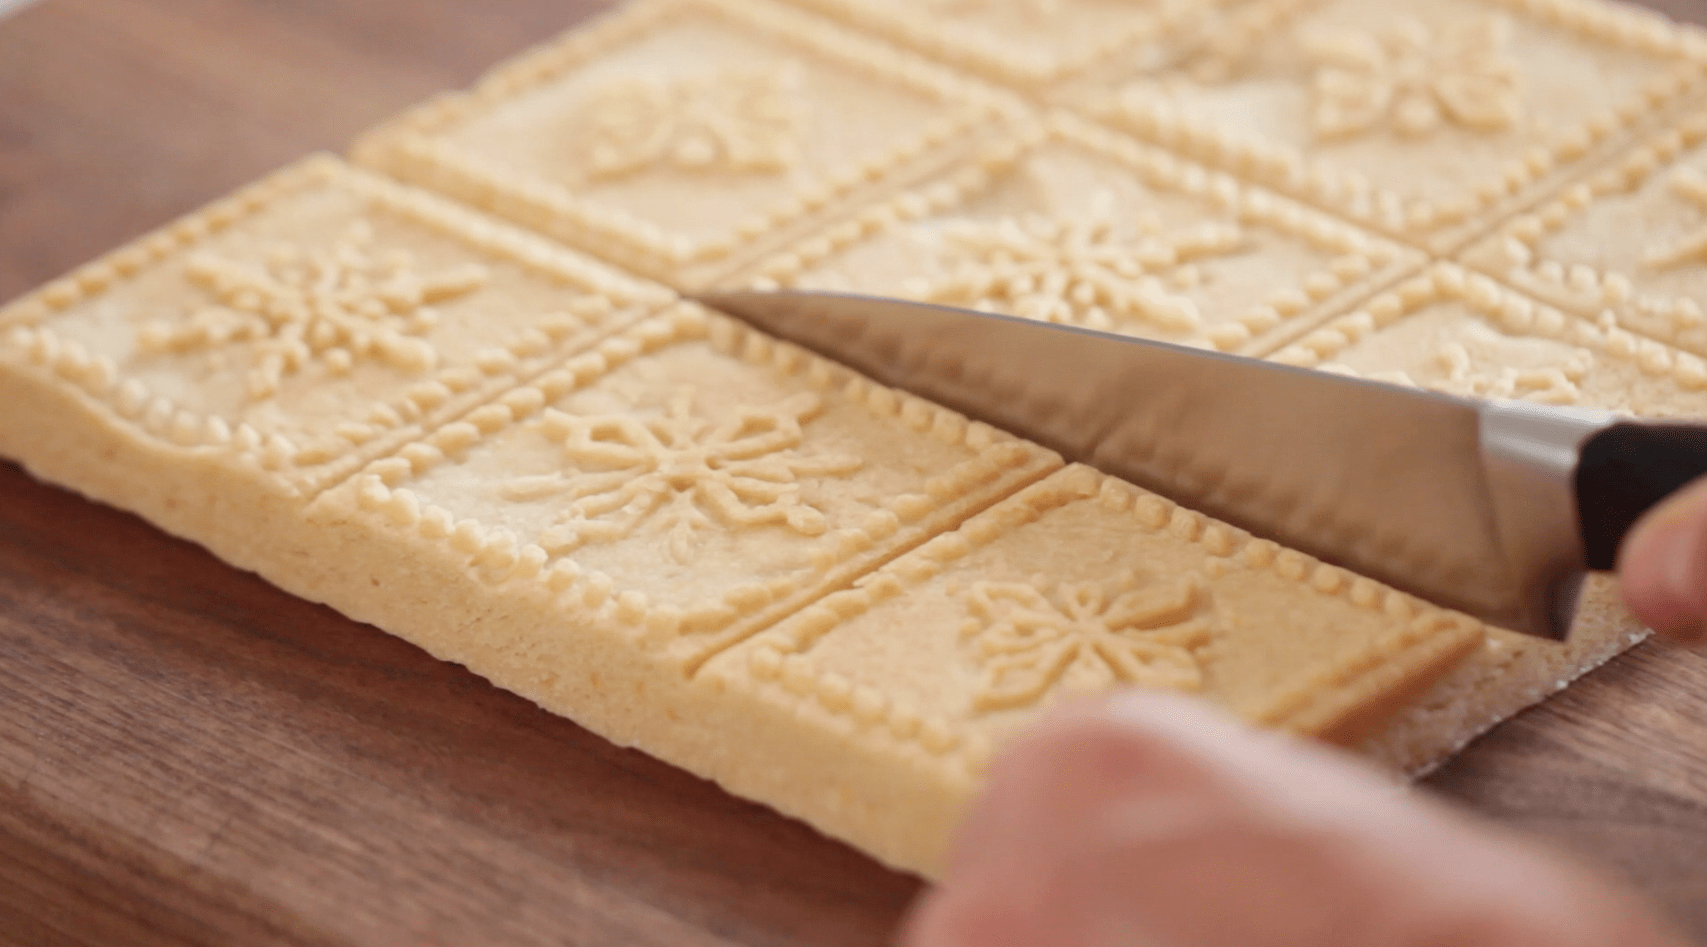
pixel 1416 79
pixel 1030 638
pixel 1078 271
pixel 681 473
pixel 1691 184
pixel 336 305
pixel 743 119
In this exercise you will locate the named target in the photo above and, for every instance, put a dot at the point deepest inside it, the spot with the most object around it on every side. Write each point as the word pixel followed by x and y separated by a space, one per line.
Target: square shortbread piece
pixel 676 137
pixel 1653 278
pixel 1428 121
pixel 271 344
pixel 1455 331
pixel 1073 224
pixel 880 705
pixel 696 480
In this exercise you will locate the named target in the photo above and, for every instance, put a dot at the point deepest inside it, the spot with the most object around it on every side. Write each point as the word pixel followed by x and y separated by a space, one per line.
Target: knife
pixel 1494 508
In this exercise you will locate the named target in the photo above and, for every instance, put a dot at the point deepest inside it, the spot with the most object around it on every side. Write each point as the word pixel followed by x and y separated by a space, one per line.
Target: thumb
pixel 1148 819
pixel 1662 566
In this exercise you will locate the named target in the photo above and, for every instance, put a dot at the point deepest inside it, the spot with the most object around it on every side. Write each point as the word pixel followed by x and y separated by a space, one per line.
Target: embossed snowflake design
pixel 1031 638
pixel 1078 271
pixel 337 305
pixel 1691 184
pixel 1416 80
pixel 1462 373
pixel 740 119
pixel 679 473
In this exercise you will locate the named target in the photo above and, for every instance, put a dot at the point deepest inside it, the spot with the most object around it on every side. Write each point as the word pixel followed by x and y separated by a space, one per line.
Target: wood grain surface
pixel 189 756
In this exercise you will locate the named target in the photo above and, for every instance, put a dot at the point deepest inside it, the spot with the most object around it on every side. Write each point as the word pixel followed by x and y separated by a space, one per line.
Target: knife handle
pixel 1624 471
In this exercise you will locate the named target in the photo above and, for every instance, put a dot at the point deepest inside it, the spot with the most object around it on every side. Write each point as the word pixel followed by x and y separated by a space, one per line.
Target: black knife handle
pixel 1626 470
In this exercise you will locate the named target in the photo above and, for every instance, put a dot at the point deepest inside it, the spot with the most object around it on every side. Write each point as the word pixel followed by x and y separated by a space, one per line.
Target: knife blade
pixel 1469 504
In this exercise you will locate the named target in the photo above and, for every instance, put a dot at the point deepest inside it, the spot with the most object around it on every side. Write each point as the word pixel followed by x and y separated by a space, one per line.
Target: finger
pixel 1662 566
pixel 1148 820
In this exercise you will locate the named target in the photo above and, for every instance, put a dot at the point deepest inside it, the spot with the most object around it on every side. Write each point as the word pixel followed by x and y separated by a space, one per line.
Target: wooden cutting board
pixel 190 756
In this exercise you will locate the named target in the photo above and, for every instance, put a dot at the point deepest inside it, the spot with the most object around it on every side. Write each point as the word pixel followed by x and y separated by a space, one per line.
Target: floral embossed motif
pixel 337 305
pixel 742 119
pixel 681 473
pixel 1078 271
pixel 1416 79
pixel 1690 184
pixel 1032 638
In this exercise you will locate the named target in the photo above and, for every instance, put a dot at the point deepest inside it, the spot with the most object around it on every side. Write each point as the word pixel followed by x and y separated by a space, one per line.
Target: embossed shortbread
pixel 1070 223
pixel 676 136
pixel 1652 278
pixel 272 343
pixel 1463 333
pixel 694 480
pixel 827 595
pixel 1077 585
pixel 1429 121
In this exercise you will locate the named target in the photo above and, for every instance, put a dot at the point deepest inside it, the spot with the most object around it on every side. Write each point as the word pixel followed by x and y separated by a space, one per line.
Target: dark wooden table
pixel 190 756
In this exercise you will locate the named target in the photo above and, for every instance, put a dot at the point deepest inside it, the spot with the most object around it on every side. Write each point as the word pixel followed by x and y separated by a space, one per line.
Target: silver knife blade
pixel 1454 500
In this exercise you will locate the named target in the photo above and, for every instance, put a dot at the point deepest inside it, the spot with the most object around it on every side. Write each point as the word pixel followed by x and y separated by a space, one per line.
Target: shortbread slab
pixel 1651 275
pixel 272 343
pixel 1464 333
pixel 1428 121
pixel 879 706
pixel 1074 224
pixel 829 596
pixel 677 136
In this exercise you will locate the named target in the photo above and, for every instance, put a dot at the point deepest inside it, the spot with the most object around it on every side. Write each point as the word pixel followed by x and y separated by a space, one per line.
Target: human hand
pixel 1149 820
pixel 1662 566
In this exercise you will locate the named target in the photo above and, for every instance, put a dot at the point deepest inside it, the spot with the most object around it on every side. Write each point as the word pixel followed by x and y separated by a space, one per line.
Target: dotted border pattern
pixel 1001 61
pixel 616 300
pixel 1366 260
pixel 1440 228
pixel 497 556
pixel 1504 307
pixel 1429 637
pixel 1514 254
pixel 408 147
